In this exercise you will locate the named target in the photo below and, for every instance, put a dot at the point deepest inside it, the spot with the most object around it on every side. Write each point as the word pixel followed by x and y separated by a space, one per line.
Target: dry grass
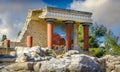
pixel 4 51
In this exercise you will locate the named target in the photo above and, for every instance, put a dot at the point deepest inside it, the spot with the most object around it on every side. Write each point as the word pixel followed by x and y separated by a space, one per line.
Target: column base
pixel 69 48
pixel 77 47
pixel 50 47
pixel 86 50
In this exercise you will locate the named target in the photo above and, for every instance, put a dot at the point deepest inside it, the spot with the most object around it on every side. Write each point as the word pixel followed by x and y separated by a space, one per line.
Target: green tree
pixel 96 32
pixel 111 44
pixel 4 37
pixel 18 33
pixel 80 36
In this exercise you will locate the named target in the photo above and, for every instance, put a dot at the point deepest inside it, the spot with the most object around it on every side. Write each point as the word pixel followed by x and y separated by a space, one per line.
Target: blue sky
pixel 13 12
pixel 59 3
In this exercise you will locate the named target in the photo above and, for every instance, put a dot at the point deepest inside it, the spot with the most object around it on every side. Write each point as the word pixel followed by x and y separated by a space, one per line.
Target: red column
pixel 68 35
pixel 50 34
pixel 29 41
pixel 7 43
pixel 50 22
pixel 86 37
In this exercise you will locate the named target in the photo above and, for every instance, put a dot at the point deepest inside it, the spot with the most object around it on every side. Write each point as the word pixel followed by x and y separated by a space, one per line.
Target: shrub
pixel 98 52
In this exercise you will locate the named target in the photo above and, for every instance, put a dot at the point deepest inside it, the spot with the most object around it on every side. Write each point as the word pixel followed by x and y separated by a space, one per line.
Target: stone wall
pixel 109 63
pixel 35 27
pixel 38 30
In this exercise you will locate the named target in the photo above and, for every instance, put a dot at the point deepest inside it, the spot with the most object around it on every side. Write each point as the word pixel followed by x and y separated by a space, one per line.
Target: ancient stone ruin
pixel 42 48
pixel 41 23
pixel 36 47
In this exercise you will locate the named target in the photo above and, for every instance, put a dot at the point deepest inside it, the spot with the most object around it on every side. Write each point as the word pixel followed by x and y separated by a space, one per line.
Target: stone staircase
pixel 28 19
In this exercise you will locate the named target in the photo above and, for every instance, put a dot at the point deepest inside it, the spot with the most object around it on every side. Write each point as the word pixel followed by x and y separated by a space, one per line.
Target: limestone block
pixel 20 66
pixel 110 67
pixel 37 66
pixel 117 68
pixel 71 52
pixel 13 53
pixel 54 65
pixel 22 58
pixel 85 63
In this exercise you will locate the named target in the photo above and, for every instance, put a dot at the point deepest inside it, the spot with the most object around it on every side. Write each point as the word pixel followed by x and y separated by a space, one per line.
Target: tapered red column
pixel 29 41
pixel 50 34
pixel 50 23
pixel 68 35
pixel 6 43
pixel 86 37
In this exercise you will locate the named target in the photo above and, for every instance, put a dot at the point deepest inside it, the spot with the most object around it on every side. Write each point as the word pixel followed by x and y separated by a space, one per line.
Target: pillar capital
pixel 69 22
pixel 86 24
pixel 50 20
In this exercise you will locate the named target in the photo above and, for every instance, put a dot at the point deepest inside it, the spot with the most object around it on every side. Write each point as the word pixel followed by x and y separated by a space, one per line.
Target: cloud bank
pixel 105 12
pixel 13 14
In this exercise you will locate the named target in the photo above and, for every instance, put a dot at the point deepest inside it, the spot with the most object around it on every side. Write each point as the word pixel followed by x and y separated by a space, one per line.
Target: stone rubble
pixel 71 61
pixel 110 63
pixel 37 59
pixel 35 53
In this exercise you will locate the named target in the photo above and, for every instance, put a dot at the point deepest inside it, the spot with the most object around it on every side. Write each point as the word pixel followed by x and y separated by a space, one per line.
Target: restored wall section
pixel 38 30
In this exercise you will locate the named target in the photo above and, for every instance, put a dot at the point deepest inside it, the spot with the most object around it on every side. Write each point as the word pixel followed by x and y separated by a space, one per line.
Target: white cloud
pixel 8 26
pixel 4 27
pixel 13 14
pixel 105 12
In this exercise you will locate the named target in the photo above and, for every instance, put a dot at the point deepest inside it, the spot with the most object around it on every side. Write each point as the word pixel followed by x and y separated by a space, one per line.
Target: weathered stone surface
pixel 71 52
pixel 66 61
pixel 37 66
pixel 19 67
pixel 110 63
pixel 113 71
pixel 83 63
pixel 77 63
pixel 117 68
pixel 54 65
pixel 110 67
pixel 4 70
pixel 102 63
pixel 13 53
pixel 22 58
pixel 35 53
pixel 73 63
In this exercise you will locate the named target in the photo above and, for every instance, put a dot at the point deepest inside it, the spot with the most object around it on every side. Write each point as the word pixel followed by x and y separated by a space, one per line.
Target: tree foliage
pixel 18 33
pixel 80 36
pixel 98 52
pixel 96 32
pixel 4 37
pixel 111 44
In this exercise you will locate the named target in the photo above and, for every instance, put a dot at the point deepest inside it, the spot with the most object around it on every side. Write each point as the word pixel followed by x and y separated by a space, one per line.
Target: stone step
pixel 7 59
